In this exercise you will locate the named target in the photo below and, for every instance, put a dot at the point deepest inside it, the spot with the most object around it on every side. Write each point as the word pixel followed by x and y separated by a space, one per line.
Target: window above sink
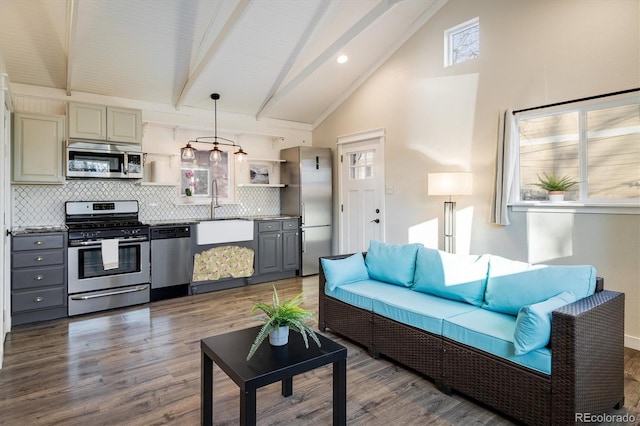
pixel 206 179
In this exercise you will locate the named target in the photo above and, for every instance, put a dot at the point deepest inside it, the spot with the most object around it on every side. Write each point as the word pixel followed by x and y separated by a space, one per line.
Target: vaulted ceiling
pixel 267 58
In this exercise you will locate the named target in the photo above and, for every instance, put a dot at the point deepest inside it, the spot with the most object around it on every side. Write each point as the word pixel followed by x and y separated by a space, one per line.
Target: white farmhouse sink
pixel 224 231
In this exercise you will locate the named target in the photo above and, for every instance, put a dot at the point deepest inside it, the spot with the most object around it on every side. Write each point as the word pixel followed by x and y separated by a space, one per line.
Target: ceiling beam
pixel 380 9
pixel 72 18
pixel 228 27
pixel 313 24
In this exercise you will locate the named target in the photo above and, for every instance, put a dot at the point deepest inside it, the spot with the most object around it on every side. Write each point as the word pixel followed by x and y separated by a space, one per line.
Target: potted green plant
pixel 556 186
pixel 280 317
pixel 188 192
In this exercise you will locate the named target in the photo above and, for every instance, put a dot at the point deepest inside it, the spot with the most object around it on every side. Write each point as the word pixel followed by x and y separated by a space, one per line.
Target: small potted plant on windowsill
pixel 188 193
pixel 556 186
pixel 280 317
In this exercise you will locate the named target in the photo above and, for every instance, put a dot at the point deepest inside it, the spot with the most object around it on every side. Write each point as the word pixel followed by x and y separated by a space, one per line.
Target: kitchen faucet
pixel 214 198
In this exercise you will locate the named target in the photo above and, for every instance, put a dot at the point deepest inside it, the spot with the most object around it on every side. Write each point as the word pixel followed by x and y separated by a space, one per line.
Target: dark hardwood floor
pixel 141 366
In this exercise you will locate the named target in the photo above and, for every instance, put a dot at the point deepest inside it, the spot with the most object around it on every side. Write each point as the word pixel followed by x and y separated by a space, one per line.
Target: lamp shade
pixel 454 183
pixel 188 152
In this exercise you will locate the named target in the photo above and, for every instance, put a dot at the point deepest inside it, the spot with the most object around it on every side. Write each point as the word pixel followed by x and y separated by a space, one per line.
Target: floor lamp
pixel 448 184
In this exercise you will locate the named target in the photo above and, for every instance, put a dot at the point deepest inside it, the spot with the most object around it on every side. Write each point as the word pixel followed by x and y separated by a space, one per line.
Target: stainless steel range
pixel 109 260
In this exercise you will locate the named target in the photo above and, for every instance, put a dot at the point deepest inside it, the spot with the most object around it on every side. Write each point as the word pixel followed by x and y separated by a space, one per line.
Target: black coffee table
pixel 268 365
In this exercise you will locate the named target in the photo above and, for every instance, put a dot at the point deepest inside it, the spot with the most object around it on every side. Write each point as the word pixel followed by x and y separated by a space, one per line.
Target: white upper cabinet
pixel 87 121
pixel 104 123
pixel 38 149
pixel 124 125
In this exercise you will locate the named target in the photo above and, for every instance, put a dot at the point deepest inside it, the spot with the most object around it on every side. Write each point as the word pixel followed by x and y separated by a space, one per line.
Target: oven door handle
pixel 110 293
pixel 97 243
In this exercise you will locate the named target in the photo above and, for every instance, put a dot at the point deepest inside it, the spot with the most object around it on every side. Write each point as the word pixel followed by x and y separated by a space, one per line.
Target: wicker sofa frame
pixel 587 361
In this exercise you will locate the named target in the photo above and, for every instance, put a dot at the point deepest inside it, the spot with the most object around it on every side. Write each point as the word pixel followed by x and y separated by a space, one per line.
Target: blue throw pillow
pixel 392 263
pixel 533 325
pixel 512 285
pixel 453 276
pixel 344 271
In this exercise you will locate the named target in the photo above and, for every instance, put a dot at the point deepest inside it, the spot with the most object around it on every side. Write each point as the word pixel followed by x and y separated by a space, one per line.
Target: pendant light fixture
pixel 188 152
pixel 215 154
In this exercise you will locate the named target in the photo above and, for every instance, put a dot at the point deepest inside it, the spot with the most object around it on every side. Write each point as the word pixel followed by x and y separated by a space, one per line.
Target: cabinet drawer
pixel 37 258
pixel 37 277
pixel 289 224
pixel 268 225
pixel 37 299
pixel 38 242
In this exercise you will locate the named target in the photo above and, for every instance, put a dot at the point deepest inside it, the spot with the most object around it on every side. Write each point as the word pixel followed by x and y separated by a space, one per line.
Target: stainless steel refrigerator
pixel 308 194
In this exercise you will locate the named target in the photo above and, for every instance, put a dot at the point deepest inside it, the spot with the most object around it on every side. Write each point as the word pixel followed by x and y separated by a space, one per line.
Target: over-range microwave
pixel 103 160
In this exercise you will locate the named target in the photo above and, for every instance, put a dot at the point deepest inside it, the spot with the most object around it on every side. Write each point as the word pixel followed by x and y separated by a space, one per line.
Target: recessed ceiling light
pixel 342 59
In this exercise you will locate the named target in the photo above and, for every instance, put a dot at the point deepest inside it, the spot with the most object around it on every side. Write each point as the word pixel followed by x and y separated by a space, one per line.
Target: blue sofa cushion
pixel 512 285
pixel 392 263
pixel 533 325
pixel 493 332
pixel 344 271
pixel 420 310
pixel 453 276
pixel 360 293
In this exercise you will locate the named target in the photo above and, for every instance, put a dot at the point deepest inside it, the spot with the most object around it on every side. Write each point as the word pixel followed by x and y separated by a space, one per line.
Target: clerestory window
pixel 462 42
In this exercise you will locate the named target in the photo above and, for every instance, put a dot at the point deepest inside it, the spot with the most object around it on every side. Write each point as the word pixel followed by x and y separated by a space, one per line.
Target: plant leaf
pixel 262 334
pixel 279 314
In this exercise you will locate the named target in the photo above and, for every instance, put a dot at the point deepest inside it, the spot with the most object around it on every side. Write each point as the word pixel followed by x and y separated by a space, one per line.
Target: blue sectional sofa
pixel 541 343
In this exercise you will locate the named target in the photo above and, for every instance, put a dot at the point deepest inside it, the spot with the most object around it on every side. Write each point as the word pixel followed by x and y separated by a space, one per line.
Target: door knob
pixel 376 220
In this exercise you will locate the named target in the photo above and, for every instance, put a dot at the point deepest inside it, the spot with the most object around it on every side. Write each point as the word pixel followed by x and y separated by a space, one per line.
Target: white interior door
pixel 361 188
pixel 5 207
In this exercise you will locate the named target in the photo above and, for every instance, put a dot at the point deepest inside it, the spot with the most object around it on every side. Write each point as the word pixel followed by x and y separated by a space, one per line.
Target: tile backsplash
pixel 43 205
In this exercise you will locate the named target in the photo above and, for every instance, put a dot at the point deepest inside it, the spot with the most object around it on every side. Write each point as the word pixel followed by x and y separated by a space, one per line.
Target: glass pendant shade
pixel 214 155
pixel 188 152
pixel 240 154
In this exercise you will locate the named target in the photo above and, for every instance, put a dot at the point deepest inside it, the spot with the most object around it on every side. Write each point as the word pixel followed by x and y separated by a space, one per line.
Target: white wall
pixel 445 119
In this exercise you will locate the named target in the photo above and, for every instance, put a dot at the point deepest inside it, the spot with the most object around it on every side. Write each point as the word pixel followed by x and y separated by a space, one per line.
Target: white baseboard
pixel 632 342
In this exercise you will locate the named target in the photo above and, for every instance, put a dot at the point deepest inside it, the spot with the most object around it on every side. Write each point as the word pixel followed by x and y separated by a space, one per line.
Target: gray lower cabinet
pixel 291 250
pixel 278 249
pixel 38 277
pixel 269 252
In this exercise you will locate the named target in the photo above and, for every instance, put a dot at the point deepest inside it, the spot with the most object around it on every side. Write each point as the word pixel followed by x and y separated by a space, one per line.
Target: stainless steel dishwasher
pixel 171 261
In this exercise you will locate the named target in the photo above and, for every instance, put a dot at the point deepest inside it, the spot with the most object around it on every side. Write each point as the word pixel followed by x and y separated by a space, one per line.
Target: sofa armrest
pixel 322 280
pixel 587 366
pixel 599 284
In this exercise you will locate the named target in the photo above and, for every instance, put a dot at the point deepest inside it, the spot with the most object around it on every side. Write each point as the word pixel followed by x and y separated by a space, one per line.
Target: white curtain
pixel 506 160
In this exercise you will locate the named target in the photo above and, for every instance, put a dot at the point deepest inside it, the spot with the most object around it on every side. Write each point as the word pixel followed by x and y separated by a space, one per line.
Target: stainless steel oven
pixel 99 231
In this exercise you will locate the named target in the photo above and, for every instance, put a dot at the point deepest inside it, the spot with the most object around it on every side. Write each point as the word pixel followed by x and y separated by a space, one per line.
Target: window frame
pixel 227 165
pixel 368 165
pixel 583 204
pixel 448 40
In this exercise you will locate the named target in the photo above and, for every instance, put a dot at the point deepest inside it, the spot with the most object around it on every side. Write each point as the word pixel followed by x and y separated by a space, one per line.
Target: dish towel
pixel 109 254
